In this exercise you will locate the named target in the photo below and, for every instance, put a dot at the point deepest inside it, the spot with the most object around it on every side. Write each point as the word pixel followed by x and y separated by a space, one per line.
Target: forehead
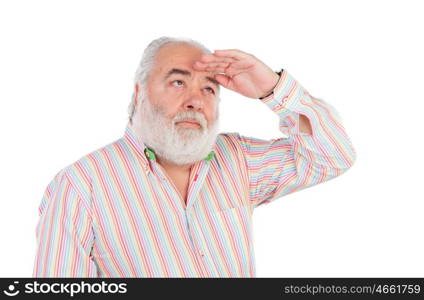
pixel 177 55
pixel 179 52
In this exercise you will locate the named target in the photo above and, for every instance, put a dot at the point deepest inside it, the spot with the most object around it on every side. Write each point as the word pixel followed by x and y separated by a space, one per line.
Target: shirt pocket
pixel 232 236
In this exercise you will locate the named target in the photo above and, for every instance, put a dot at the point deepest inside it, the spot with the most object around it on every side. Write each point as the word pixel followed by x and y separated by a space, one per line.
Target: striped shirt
pixel 116 213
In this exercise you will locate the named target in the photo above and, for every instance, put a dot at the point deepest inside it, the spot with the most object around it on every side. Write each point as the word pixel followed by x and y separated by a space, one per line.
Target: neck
pixel 168 165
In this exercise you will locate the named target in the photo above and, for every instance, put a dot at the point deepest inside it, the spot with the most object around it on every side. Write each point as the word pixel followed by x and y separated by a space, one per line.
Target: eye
pixel 177 81
pixel 211 90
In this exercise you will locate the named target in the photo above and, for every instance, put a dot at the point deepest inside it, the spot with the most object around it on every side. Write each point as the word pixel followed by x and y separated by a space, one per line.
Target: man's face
pixel 175 94
pixel 174 86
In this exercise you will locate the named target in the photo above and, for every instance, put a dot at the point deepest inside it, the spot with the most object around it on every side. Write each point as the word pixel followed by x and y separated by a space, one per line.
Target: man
pixel 172 197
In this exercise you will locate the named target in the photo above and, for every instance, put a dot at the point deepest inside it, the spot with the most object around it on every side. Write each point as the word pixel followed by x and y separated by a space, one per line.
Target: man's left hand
pixel 242 72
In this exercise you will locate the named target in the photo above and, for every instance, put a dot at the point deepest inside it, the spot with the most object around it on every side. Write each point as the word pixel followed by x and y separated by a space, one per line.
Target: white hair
pixel 147 62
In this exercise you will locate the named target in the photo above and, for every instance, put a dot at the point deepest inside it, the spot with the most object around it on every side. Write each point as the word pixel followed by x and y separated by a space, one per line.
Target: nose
pixel 194 101
pixel 194 104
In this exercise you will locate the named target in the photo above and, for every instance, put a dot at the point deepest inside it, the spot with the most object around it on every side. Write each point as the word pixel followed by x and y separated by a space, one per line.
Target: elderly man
pixel 173 197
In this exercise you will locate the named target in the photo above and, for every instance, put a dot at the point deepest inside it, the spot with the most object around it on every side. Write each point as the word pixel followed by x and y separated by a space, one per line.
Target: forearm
pixel 312 125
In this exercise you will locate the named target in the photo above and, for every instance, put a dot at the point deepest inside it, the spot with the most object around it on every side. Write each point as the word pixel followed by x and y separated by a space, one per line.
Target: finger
pixel 237 65
pixel 210 66
pixel 231 72
pixel 242 64
pixel 226 70
pixel 214 58
pixel 217 69
pixel 223 80
pixel 229 69
pixel 233 53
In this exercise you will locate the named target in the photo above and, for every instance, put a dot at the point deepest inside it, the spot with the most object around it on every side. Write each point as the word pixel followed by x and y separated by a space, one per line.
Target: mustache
pixel 190 116
pixel 181 116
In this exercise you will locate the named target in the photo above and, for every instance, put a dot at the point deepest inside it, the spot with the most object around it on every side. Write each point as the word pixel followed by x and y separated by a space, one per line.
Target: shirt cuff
pixel 285 102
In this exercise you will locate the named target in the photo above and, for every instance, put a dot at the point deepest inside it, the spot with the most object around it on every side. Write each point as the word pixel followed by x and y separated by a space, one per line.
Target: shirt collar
pixel 145 152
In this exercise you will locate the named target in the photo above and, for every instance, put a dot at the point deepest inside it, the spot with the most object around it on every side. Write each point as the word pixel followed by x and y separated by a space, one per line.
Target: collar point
pixel 210 156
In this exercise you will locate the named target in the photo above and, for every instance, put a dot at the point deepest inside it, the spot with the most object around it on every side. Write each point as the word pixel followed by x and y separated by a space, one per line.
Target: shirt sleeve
pixel 281 166
pixel 64 233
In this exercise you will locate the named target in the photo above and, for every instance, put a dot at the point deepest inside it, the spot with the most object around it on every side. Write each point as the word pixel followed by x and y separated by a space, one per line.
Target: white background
pixel 66 79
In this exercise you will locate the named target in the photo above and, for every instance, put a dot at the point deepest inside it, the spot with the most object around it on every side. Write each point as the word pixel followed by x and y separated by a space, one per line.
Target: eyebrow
pixel 188 73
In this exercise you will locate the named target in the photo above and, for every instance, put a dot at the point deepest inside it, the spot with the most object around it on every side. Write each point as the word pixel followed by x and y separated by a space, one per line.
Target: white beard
pixel 174 143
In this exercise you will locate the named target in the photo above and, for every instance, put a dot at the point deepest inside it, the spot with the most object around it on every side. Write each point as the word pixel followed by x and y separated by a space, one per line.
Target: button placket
pixel 199 254
pixel 193 236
